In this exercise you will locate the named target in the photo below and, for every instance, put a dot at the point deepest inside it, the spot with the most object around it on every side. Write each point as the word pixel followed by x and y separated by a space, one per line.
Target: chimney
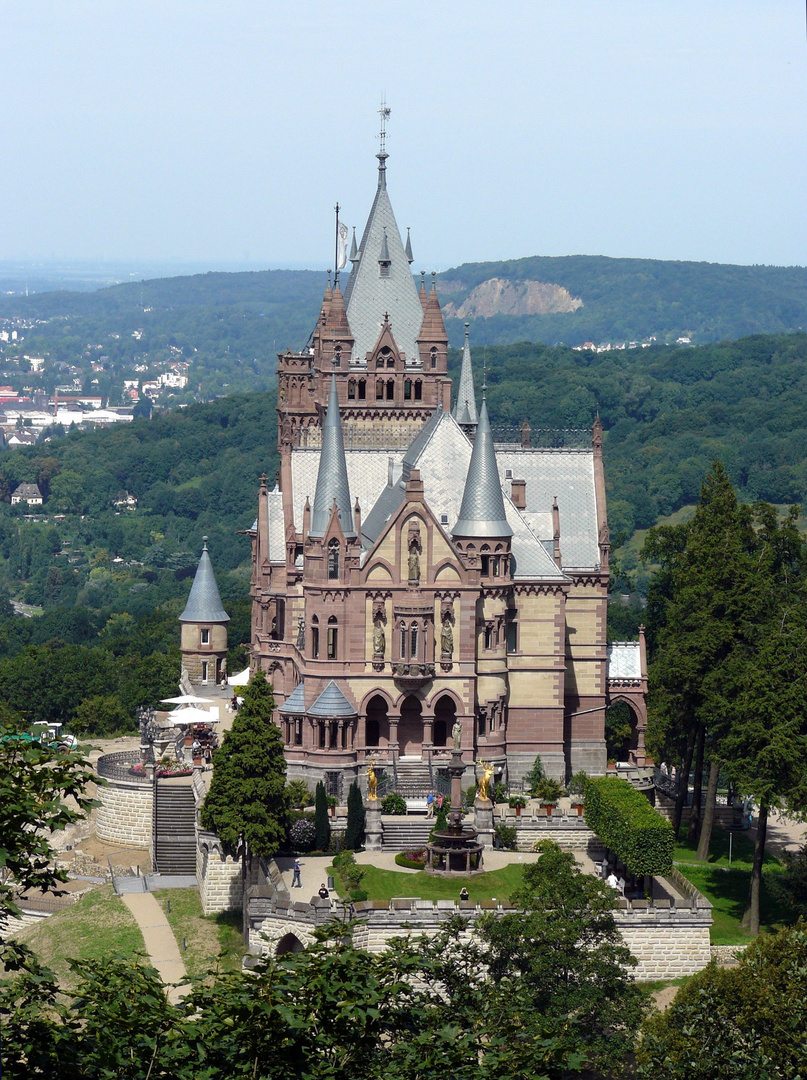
pixel 518 493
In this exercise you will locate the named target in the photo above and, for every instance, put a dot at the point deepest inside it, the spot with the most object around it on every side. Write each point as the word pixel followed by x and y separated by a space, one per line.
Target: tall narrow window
pixel 314 638
pixel 351 390
pixel 205 666
pixel 488 635
pixel 418 390
pixel 496 564
pixel 321 735
pixel 298 733
pixel 407 390
pixel 403 641
pixel 333 633
pixel 205 636
pixel 362 389
pixel 413 636
pixel 333 560
pixel 512 632
pixel 334 733
pixel 433 355
pixel 379 390
pixel 390 390
pixel 337 356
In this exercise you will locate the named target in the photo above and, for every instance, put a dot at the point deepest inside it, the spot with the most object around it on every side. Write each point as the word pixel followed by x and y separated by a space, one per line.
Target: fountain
pixel 455 849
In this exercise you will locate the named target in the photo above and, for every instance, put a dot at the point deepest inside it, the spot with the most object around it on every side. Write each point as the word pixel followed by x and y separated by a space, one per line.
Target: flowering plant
pixel 302 835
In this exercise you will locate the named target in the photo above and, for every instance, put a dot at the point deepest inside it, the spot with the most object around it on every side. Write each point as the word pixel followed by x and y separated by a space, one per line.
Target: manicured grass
pixel 742 851
pixel 727 891
pixel 212 942
pixel 384 884
pixel 95 927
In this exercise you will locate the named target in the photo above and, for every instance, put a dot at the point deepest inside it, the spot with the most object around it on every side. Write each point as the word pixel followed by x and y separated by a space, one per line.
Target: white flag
pixel 341 247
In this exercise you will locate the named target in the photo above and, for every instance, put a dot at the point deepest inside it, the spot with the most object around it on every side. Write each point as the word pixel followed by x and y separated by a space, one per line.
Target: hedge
pixel 628 825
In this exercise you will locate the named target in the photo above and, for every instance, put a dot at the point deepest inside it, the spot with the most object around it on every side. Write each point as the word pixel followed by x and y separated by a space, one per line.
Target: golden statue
pixel 372 782
pixel 483 790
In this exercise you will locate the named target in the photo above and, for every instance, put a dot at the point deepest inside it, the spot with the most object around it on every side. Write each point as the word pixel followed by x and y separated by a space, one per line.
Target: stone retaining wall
pixel 667 941
pixel 219 875
pixel 125 816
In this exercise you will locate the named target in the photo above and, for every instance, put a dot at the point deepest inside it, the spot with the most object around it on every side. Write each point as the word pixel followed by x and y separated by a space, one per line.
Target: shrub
pixel 506 837
pixel 440 823
pixel 516 802
pixel 577 784
pixel 321 822
pixel 499 791
pixel 536 773
pixel 302 835
pixel 548 790
pixel 628 825
pixel 357 895
pixel 393 804
pixel 350 872
pixel 412 860
pixel 297 793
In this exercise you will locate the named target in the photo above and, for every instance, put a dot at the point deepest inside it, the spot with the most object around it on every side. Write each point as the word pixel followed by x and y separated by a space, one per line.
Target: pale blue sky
pixel 213 132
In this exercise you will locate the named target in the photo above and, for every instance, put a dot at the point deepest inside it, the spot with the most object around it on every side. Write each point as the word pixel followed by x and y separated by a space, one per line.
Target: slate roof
pixel 332 479
pixel 204 603
pixel 332 702
pixel 367 473
pixel 294 705
pixel 623 660
pixel 482 510
pixel 368 295
pixel 27 491
pixel 569 475
pixel 465 406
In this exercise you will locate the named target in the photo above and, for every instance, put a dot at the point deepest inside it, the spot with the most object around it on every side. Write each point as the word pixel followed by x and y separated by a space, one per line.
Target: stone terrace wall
pixel 219 875
pixel 125 816
pixel 667 941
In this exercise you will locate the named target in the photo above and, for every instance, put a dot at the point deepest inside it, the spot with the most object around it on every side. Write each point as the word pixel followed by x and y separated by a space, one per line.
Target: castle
pixel 409 574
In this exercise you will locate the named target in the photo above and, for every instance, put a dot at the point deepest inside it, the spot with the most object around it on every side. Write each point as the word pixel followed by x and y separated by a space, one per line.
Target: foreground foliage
pixel 538 995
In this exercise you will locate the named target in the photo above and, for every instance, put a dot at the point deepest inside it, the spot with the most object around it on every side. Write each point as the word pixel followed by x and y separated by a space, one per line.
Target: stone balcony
pixel 412 676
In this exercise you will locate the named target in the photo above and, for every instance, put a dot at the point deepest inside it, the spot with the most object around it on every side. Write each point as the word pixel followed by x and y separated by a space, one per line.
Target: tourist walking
pixel 430 804
pixel 296 883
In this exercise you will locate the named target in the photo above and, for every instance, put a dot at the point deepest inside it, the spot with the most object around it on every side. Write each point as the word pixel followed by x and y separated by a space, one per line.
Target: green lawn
pixel 95 927
pixel 384 884
pixel 742 851
pixel 211 942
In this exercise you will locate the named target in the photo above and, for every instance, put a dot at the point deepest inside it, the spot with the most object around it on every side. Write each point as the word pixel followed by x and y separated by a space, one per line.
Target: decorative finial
pixel 384 113
pixel 204 542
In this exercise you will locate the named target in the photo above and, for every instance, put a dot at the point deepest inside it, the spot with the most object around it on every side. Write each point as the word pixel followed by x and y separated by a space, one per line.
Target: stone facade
pixel 219 875
pixel 125 816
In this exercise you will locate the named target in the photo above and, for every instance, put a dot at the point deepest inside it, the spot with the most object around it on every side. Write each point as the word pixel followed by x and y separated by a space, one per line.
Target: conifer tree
pixel 321 823
pixel 354 831
pixel 246 801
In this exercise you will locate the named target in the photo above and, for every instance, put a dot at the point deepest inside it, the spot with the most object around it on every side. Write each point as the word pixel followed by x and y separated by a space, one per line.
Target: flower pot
pixel 548 807
pixel 332 810
pixel 579 808
pixel 518 811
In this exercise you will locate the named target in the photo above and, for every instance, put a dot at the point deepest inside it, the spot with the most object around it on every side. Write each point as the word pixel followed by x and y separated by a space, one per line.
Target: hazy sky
pixel 219 132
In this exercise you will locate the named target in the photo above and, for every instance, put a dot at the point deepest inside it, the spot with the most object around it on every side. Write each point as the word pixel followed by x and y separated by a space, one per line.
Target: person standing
pixel 430 804
pixel 296 882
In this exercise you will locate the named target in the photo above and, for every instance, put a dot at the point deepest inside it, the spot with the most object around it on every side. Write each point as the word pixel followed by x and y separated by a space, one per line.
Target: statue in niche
pixel 414 562
pixel 456 734
pixel 483 788
pixel 379 638
pixel 447 637
pixel 372 782
pixel 301 633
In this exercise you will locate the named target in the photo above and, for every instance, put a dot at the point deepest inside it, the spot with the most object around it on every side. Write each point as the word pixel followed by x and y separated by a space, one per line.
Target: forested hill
pixel 228 327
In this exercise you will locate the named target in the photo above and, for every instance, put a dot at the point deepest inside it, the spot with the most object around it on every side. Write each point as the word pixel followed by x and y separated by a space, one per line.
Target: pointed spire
pixel 204 602
pixel 408 249
pixel 332 484
pixel 482 511
pixel 465 409
pixel 423 296
pixel 336 320
pixel 354 251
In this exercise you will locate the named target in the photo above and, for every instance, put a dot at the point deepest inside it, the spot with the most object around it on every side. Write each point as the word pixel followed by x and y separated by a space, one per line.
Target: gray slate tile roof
pixel 482 510
pixel 332 702
pixel 204 603
pixel 277 536
pixel 623 660
pixel 367 472
pixel 294 705
pixel 465 407
pixel 332 479
pixel 569 475
pixel 368 295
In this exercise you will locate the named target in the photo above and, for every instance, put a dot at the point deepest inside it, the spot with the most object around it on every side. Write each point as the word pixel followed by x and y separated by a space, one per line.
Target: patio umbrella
pixel 186 699
pixel 191 715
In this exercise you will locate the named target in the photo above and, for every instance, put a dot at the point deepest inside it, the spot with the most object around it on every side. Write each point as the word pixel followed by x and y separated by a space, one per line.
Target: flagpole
pixel 336 248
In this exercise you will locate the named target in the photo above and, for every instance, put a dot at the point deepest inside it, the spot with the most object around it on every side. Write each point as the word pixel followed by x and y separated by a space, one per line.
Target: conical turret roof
pixel 482 511
pixel 465 408
pixel 204 602
pixel 332 484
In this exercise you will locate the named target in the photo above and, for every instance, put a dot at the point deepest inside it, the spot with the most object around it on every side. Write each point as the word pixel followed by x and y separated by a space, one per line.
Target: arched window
pixel 333 638
pixel 408 390
pixel 362 389
pixel 379 390
pixel 485 560
pixel 418 390
pixel 413 641
pixel 403 641
pixel 333 560
pixel 337 356
pixel 433 355
pixel 315 637
pixel 390 390
pixel 351 390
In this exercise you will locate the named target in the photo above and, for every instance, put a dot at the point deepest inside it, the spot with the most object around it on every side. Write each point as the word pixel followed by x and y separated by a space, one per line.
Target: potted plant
pixel 332 803
pixel 547 791
pixel 517 803
pixel 576 790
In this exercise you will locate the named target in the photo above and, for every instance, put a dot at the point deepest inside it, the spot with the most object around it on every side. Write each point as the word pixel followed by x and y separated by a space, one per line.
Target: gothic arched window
pixel 362 389
pixel 351 389
pixel 333 560
pixel 379 390
pixel 390 390
pixel 418 390
pixel 333 638
pixel 408 390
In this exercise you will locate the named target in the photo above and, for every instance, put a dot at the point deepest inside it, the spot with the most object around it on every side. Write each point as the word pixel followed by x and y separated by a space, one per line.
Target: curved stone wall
pixel 125 816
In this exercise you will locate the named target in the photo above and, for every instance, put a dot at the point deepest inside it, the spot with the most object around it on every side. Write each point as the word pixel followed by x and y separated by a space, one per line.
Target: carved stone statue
pixel 414 563
pixel 372 782
pixel 447 636
pixel 301 633
pixel 379 638
pixel 483 788
pixel 456 734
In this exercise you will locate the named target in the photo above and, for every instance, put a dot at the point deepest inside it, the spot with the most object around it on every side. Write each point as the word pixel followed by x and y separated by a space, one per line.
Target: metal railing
pixel 118 766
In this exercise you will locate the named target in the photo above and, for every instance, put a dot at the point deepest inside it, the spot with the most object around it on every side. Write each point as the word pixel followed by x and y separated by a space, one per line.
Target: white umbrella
pixel 240 679
pixel 191 715
pixel 186 699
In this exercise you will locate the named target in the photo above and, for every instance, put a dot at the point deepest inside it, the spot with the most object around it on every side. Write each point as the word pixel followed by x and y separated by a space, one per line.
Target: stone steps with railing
pixel 175 833
pixel 406 833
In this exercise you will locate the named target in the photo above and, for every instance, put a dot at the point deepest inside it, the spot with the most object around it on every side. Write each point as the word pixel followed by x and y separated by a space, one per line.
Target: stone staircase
pixel 405 833
pixel 414 781
pixel 175 832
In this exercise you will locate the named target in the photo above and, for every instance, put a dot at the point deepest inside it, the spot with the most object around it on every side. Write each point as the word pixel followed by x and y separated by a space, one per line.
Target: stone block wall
pixel 125 816
pixel 219 875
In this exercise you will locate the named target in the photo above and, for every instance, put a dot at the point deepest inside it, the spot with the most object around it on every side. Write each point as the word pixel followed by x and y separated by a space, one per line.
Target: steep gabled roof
pixel 204 602
pixel 482 512
pixel 465 408
pixel 368 294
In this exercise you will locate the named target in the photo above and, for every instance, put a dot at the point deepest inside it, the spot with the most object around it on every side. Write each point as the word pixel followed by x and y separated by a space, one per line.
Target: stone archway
pixel 445 712
pixel 376 731
pixel 289 943
pixel 624 731
pixel 410 728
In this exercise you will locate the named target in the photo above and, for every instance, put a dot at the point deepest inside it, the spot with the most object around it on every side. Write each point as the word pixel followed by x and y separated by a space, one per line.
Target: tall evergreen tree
pixel 247 801
pixel 354 830
pixel 321 823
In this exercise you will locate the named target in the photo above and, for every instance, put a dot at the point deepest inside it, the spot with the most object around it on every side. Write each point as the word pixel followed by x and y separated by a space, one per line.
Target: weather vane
pixel 383 112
